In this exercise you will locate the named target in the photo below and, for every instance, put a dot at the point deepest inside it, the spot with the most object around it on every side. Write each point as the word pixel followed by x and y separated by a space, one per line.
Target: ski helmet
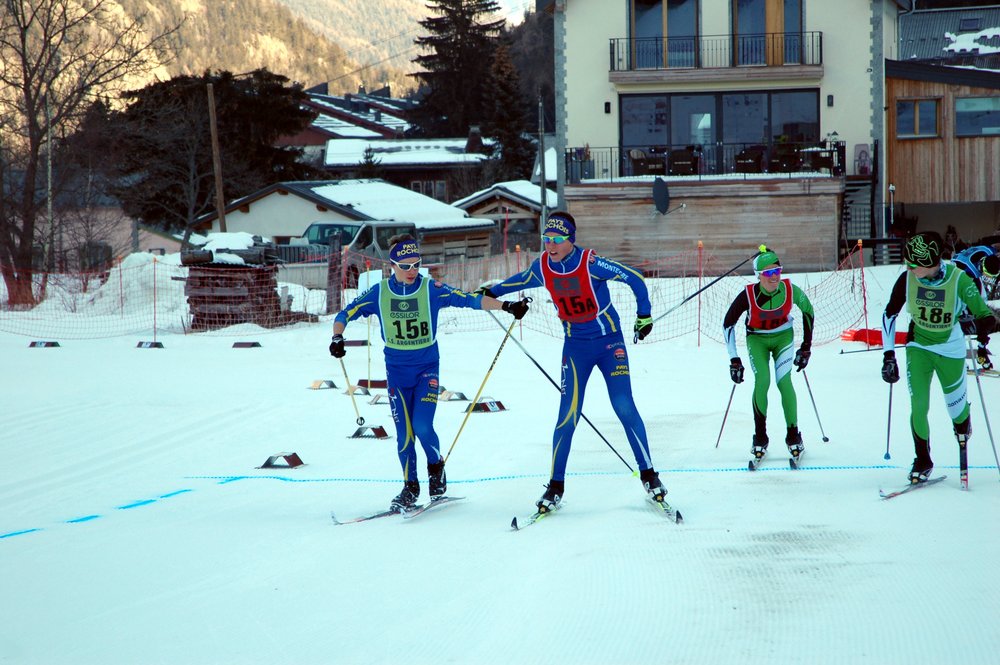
pixel 923 250
pixel 990 265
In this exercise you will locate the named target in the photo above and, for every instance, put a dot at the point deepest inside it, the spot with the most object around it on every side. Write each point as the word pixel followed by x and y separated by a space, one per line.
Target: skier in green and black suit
pixel 768 307
pixel 934 294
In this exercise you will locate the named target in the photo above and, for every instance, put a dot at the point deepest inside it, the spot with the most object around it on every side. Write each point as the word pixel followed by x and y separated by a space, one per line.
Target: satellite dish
pixel 661 196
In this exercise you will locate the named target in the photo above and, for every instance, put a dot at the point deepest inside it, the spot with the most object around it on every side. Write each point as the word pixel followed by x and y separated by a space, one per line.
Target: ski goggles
pixel 407 266
pixel 770 273
pixel 558 240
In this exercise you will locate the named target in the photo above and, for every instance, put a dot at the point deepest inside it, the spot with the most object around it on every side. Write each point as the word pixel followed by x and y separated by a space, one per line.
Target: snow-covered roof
pixel 362 200
pixel 377 199
pixel 362 109
pixel 399 152
pixel 342 127
pixel 523 191
pixel 550 166
pixel 946 33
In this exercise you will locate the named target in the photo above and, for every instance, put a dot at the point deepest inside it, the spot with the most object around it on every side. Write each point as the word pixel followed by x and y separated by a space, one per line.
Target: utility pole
pixel 220 200
pixel 541 162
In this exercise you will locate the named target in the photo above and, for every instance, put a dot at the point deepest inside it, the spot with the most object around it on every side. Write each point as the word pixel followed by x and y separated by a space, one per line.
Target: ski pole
pixel 869 350
pixel 481 386
pixel 704 288
pixel 556 386
pixel 825 439
pixel 982 401
pixel 888 428
pixel 726 415
pixel 360 420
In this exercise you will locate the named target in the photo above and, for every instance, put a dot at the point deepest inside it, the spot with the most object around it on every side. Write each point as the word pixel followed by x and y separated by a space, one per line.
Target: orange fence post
pixel 701 247
pixel 864 291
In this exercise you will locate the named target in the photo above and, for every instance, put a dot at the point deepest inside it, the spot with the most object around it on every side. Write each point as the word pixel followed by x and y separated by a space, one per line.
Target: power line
pixel 411 48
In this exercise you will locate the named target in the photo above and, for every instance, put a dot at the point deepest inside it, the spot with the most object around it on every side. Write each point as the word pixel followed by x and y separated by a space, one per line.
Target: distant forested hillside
pixel 243 35
pixel 379 32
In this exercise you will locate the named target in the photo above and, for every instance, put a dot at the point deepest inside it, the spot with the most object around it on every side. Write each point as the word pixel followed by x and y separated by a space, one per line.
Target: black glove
pixel 517 307
pixel 967 323
pixel 337 349
pixel 643 326
pixel 802 357
pixel 736 370
pixel 983 358
pixel 890 370
pixel 484 291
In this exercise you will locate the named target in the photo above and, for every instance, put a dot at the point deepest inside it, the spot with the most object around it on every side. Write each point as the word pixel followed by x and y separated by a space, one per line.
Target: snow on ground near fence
pixel 136 527
pixel 145 296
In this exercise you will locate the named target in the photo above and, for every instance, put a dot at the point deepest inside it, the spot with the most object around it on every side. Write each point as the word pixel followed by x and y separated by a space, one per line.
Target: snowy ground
pixel 135 527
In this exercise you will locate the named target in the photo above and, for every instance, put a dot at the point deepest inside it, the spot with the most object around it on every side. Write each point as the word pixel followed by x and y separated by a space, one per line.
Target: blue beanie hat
pixel 561 222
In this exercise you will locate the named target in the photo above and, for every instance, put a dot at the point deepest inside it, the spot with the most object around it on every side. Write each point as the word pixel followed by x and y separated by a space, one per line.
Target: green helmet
pixel 923 250
pixel 766 258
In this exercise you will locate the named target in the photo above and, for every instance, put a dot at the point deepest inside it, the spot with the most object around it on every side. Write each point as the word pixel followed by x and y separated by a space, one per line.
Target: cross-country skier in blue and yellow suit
pixel 577 279
pixel 407 305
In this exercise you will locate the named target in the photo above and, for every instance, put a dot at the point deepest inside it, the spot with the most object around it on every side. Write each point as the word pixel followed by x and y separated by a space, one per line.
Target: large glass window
pixel 794 117
pixel 647 33
pixel 664 24
pixel 793 31
pixel 977 116
pixel 744 118
pixel 767 32
pixel 916 118
pixel 682 30
pixel 691 120
pixel 644 121
pixel 721 126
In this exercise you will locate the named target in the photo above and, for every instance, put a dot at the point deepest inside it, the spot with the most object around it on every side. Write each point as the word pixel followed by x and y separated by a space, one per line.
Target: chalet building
pixel 443 169
pixel 943 134
pixel 516 207
pixel 363 115
pixel 765 117
pixel 283 211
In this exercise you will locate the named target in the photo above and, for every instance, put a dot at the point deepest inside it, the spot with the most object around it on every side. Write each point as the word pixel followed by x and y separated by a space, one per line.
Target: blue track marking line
pixel 90 518
pixel 17 533
pixel 136 504
pixel 85 518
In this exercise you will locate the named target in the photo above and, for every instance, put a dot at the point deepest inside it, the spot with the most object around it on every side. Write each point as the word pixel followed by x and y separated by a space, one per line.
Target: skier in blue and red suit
pixel 577 279
pixel 407 305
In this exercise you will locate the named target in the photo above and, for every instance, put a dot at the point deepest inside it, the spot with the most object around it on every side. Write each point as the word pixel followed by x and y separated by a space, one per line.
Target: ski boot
pixel 553 495
pixel 962 434
pixel 407 499
pixel 759 448
pixel 920 471
pixel 436 481
pixel 794 442
pixel 922 464
pixel 651 481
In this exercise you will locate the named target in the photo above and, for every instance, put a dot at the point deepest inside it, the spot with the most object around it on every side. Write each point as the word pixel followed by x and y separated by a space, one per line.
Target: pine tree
pixel 507 124
pixel 369 166
pixel 462 41
pixel 158 148
pixel 533 54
